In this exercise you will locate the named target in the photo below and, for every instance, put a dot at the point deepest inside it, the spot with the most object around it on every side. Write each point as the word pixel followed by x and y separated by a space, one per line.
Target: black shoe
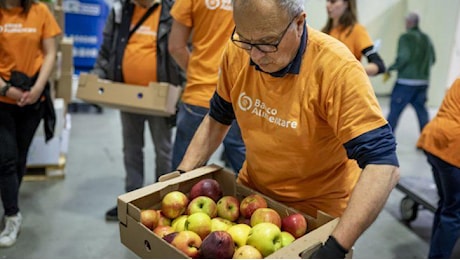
pixel 112 214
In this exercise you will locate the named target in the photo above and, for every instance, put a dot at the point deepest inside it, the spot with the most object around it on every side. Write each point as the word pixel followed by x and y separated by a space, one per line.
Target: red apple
pixel 202 204
pixel 149 217
pixel 170 237
pixel 250 203
pixel 228 207
pixel 247 252
pixel 188 242
pixel 295 224
pixel 265 215
pixel 174 204
pixel 243 220
pixel 199 223
pixel 206 187
pixel 162 231
pixel 217 245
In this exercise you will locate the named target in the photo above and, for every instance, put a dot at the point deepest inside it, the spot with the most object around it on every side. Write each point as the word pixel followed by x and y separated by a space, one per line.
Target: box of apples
pixel 204 213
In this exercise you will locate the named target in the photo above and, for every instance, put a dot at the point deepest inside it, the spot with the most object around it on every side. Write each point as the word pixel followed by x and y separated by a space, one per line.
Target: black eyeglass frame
pixel 257 45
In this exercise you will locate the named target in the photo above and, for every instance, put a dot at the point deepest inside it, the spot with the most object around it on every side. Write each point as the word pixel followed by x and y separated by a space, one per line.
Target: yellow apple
pixel 247 252
pixel 239 233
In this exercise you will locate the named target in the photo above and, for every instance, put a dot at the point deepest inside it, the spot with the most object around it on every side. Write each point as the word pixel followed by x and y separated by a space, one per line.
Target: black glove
pixel 330 250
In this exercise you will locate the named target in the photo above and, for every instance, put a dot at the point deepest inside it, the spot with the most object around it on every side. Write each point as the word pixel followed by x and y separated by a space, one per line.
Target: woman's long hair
pixel 347 20
pixel 25 4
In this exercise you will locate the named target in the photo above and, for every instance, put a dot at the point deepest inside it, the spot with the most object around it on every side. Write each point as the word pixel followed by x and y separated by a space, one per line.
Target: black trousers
pixel 17 129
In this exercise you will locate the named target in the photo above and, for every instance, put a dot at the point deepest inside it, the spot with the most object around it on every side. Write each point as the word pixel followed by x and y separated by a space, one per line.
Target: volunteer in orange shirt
pixel 27 46
pixel 315 135
pixel 343 25
pixel 212 25
pixel 440 139
pixel 135 51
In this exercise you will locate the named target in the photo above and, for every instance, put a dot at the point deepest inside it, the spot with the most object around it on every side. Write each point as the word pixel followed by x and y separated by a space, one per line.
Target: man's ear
pixel 300 22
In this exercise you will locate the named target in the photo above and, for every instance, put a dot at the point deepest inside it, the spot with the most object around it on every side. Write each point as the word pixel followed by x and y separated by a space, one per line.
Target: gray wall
pixel 385 21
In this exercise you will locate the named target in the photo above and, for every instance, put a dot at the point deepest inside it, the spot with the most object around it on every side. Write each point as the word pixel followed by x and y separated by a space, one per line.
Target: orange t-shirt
pixel 140 57
pixel 294 127
pixel 21 40
pixel 441 136
pixel 356 40
pixel 212 24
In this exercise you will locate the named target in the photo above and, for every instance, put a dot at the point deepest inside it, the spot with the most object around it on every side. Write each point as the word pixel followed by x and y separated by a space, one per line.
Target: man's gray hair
pixel 292 7
pixel 413 17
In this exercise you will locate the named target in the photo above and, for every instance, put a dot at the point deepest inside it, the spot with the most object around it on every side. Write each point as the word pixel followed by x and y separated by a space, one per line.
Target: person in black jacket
pixel 135 51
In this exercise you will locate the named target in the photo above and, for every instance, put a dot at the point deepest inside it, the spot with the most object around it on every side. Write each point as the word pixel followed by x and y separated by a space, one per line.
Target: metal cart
pixel 421 193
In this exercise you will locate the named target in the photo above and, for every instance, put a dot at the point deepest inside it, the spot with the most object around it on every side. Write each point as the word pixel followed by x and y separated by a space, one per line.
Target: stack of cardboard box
pixel 53 153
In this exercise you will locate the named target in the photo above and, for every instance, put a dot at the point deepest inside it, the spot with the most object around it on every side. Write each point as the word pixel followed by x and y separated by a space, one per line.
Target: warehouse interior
pixel 64 216
pixel 63 202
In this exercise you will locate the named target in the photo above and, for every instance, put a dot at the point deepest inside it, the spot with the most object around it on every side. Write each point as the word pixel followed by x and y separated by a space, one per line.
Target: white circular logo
pixel 212 4
pixel 244 102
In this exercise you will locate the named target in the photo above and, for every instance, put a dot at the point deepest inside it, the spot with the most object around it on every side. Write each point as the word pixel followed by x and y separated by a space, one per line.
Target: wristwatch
pixel 4 89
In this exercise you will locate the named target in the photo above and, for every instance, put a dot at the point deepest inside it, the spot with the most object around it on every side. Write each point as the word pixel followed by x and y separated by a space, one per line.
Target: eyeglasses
pixel 263 47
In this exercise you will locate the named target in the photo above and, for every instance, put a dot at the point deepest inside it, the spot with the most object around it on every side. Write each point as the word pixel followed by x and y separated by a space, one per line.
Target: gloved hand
pixel 330 250
pixel 386 76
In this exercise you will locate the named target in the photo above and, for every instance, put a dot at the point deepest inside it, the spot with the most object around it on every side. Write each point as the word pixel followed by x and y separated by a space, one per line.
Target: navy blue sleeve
pixel 221 110
pixel 374 147
pixel 373 57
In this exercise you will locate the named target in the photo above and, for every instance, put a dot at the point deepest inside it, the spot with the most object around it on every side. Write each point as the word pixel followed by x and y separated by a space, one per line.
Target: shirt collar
pixel 294 66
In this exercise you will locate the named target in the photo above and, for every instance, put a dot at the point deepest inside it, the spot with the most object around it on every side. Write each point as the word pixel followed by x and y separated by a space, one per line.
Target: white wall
pixel 385 20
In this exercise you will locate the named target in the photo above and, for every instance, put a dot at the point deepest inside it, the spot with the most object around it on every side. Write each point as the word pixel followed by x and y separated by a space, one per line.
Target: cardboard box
pixel 146 244
pixel 49 153
pixel 155 99
pixel 64 87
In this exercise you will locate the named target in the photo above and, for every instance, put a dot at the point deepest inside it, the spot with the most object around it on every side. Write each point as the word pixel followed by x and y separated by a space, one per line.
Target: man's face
pixel 261 28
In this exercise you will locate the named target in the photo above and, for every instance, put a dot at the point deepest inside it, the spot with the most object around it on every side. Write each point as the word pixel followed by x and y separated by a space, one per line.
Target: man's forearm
pixel 207 138
pixel 367 200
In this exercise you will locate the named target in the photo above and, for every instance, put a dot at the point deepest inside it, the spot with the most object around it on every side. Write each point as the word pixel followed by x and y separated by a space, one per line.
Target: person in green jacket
pixel 413 62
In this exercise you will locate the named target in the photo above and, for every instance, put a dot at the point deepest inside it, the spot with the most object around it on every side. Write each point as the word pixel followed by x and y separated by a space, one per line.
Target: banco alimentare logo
pixel 222 4
pixel 244 102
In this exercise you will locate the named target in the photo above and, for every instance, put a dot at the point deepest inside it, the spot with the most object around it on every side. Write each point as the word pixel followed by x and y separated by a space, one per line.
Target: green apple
pixel 247 252
pixel 179 223
pixel 239 233
pixel 228 207
pixel 265 237
pixel 174 204
pixel 286 238
pixel 199 223
pixel 202 204
pixel 220 224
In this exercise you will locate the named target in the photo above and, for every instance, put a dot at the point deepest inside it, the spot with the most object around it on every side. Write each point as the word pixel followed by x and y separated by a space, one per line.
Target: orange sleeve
pixel 50 26
pixel 182 12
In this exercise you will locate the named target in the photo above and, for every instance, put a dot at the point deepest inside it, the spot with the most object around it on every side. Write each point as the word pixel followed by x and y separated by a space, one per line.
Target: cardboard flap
pixel 169 176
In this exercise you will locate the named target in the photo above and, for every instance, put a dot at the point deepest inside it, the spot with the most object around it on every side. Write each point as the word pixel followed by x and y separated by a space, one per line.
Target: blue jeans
pixel 403 95
pixel 446 224
pixel 189 117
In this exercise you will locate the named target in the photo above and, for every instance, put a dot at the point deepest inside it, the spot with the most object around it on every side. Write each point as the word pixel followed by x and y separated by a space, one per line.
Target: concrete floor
pixel 65 218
